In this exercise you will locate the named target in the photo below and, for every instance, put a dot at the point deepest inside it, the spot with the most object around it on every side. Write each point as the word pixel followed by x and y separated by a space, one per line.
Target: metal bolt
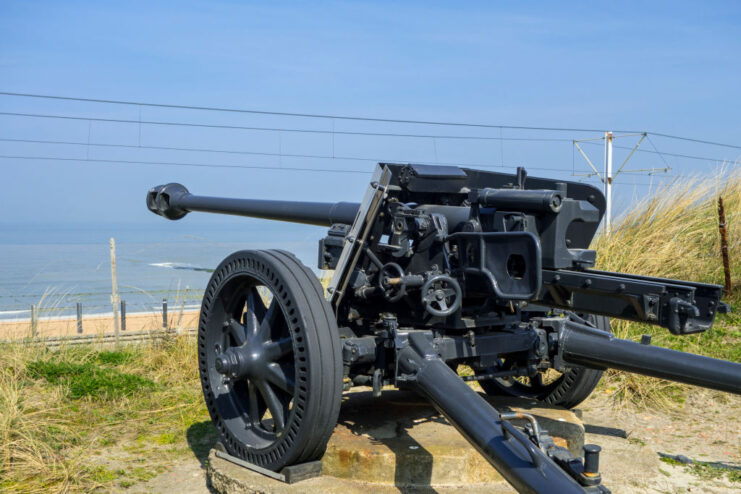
pixel 591 458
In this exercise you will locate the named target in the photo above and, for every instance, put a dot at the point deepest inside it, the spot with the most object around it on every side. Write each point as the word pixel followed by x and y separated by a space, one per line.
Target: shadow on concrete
pixel 387 421
pixel 605 431
pixel 202 436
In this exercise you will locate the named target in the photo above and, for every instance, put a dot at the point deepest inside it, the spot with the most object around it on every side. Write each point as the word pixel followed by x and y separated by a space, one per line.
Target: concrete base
pixel 399 442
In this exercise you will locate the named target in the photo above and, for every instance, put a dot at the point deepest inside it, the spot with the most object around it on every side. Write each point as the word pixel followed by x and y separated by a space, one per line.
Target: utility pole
pixel 114 288
pixel 608 181
pixel 607 176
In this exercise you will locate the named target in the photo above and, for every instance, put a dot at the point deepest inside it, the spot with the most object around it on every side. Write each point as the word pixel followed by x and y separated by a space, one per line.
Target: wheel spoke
pixel 255 303
pixel 280 377
pixel 276 350
pixel 255 311
pixel 237 331
pixel 253 405
pixel 443 304
pixel 274 405
pixel 270 320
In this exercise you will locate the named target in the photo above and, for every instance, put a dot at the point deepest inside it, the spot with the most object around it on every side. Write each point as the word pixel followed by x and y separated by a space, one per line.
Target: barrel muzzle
pixel 162 200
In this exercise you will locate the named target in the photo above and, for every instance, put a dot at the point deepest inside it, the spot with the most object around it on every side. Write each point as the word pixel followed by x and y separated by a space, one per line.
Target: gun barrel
pixel 173 201
pixel 582 345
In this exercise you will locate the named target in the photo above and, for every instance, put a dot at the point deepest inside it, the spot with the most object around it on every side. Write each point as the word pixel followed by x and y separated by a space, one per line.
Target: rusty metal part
pixel 722 226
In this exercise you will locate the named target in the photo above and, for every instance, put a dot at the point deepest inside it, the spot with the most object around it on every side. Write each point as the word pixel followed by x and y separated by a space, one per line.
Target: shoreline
pixel 154 310
pixel 96 324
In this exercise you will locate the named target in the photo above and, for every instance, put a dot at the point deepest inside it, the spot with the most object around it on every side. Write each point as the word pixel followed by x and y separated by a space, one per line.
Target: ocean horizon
pixel 56 266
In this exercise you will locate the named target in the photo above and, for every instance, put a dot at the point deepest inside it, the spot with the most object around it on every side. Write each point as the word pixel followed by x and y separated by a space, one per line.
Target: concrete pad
pixel 400 442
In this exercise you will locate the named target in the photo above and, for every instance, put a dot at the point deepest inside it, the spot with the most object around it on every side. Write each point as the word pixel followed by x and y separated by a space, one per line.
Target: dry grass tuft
pixel 674 234
pixel 84 419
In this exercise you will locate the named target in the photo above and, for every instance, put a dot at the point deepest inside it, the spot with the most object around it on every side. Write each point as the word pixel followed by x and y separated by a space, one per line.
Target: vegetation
pixel 674 233
pixel 86 419
pixel 706 471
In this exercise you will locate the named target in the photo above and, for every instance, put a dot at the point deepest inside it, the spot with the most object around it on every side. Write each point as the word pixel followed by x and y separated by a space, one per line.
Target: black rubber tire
pixel 573 387
pixel 316 350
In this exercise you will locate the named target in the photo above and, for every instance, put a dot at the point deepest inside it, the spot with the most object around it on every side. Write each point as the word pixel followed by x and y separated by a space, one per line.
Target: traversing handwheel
pixel 269 359
pixel 441 295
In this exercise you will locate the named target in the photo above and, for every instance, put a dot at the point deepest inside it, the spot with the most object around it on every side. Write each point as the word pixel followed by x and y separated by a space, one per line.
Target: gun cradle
pixel 434 268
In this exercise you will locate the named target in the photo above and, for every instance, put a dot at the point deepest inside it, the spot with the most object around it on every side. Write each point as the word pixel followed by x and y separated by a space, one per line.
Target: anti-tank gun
pixel 436 267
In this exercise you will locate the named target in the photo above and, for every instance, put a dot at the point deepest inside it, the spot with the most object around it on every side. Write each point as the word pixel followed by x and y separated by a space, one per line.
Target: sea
pixel 56 266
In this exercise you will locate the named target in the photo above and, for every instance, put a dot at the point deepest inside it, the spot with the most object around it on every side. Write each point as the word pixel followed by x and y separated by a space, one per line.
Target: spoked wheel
pixel 269 358
pixel 550 386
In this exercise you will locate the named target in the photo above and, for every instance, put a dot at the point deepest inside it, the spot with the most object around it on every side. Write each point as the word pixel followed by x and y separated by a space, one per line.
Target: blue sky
pixel 671 67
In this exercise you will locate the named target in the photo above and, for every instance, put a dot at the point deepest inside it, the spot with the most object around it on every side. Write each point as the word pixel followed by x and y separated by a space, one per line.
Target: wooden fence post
pixel 79 317
pixel 123 315
pixel 114 289
pixel 724 244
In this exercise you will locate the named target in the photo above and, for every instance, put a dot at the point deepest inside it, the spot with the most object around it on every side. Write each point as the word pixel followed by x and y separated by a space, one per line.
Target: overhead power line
pixel 176 163
pixel 660 153
pixel 278 155
pixel 212 165
pixel 263 153
pixel 329 132
pixel 275 129
pixel 305 115
pixel 354 118
pixel 691 139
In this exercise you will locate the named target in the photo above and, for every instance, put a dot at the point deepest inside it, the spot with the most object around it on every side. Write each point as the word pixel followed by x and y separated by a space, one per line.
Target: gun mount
pixel 434 268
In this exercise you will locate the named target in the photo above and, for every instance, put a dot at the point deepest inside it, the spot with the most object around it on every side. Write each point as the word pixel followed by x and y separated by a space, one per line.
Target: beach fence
pixel 89 323
pixel 53 321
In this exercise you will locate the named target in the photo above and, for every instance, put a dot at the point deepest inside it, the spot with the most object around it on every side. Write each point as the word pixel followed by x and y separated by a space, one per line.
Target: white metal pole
pixel 608 182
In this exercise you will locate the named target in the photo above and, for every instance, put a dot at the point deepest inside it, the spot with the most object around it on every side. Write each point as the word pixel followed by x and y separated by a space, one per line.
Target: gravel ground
pixel 706 429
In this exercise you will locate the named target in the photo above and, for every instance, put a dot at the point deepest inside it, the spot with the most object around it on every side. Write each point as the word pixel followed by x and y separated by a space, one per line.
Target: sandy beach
pixel 96 324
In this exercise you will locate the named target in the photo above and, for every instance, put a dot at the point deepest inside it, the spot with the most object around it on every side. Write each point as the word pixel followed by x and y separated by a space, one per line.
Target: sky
pixel 666 67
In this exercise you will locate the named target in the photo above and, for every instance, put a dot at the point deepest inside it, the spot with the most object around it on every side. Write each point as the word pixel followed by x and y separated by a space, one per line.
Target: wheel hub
pixel 245 361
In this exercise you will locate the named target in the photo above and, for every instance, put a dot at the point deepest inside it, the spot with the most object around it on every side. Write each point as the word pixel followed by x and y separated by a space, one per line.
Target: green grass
pixel 674 234
pixel 88 379
pixel 117 357
pixel 92 419
pixel 706 471
pixel 635 440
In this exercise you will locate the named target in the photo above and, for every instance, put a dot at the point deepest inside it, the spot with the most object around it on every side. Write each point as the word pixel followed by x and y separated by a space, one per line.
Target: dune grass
pixel 86 419
pixel 674 233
